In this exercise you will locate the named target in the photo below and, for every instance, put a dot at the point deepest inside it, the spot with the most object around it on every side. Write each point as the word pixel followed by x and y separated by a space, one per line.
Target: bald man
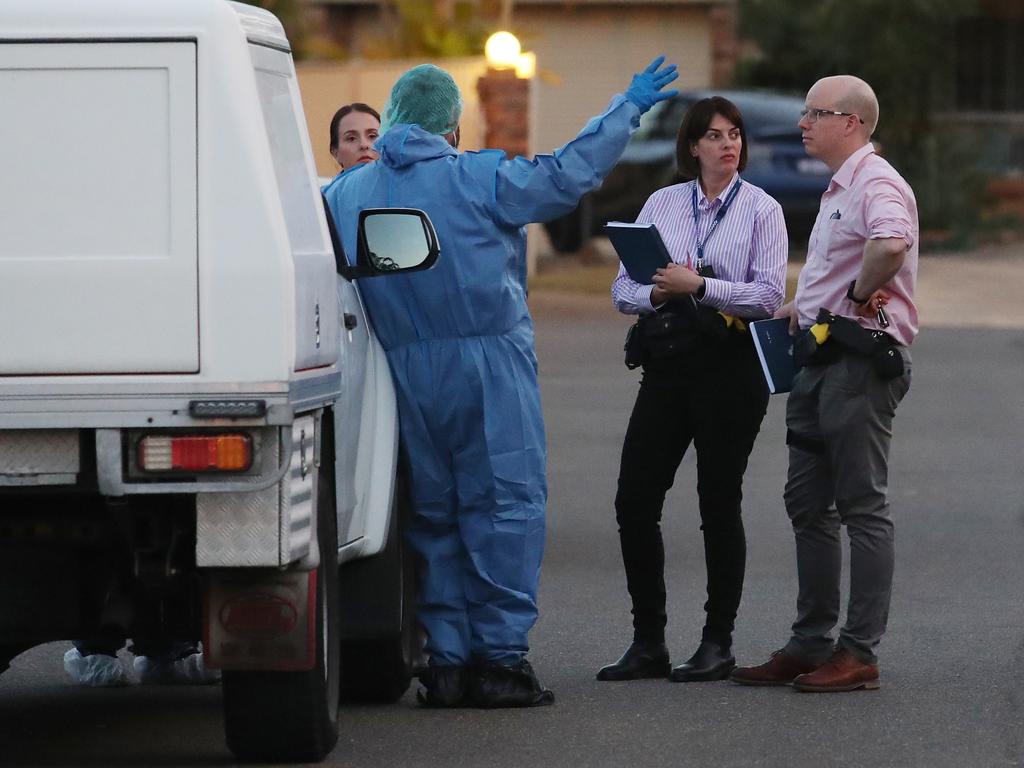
pixel 857 291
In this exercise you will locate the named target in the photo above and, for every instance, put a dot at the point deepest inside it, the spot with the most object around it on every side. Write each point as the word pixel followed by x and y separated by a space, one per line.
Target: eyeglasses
pixel 812 114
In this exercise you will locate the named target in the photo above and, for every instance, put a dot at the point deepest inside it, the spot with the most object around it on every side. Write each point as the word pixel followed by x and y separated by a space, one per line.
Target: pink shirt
pixel 866 200
pixel 748 249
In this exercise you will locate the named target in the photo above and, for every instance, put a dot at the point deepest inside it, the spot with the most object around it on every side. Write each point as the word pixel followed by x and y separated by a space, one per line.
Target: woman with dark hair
pixel 701 383
pixel 354 129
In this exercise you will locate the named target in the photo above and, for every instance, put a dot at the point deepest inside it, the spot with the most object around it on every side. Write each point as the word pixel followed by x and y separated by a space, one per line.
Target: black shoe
pixel 711 662
pixel 443 687
pixel 642 659
pixel 495 686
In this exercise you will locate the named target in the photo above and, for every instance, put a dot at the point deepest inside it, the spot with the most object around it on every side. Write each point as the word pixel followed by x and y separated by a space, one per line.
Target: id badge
pixel 705 270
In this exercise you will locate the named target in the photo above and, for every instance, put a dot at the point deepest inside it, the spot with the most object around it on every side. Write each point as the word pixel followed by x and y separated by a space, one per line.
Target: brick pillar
pixel 724 45
pixel 505 102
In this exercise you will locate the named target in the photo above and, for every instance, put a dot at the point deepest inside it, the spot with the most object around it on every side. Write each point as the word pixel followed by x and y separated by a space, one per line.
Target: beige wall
pixel 325 87
pixel 592 53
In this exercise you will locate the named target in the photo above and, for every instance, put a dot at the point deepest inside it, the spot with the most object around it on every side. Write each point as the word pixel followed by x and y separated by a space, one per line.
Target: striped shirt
pixel 748 250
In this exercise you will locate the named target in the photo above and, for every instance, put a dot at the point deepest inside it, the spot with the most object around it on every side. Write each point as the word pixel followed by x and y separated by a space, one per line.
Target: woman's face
pixel 718 150
pixel 356 133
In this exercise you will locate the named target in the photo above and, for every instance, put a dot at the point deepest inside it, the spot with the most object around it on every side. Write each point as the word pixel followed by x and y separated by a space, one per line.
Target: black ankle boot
pixel 711 662
pixel 496 686
pixel 443 687
pixel 641 660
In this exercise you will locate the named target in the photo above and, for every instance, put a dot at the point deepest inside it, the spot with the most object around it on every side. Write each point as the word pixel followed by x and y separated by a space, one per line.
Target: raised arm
pixel 549 186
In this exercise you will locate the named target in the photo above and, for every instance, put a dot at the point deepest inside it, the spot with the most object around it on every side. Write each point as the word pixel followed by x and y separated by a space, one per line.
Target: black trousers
pixel 714 397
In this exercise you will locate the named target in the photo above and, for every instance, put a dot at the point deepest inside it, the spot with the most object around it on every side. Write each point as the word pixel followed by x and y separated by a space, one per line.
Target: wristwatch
pixel 850 295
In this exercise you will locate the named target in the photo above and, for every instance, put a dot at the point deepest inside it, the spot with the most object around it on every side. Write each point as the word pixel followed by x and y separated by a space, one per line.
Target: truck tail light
pixel 195 453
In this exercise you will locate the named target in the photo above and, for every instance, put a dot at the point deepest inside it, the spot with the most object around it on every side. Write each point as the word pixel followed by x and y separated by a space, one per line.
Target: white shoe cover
pixel 96 670
pixel 187 671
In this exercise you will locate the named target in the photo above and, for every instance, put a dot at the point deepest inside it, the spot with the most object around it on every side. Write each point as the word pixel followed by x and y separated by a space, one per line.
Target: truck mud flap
pixel 260 620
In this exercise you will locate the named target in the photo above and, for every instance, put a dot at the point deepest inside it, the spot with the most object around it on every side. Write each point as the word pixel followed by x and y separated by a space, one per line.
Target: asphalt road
pixel 952 662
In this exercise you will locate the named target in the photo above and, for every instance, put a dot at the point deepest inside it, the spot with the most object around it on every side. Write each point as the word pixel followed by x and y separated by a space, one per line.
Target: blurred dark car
pixel 776 162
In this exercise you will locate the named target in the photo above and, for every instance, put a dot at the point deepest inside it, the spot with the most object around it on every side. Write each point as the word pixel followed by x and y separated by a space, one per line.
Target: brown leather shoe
pixel 780 669
pixel 842 672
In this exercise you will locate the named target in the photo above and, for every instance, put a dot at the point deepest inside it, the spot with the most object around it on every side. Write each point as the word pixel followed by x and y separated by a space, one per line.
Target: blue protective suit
pixel 460 343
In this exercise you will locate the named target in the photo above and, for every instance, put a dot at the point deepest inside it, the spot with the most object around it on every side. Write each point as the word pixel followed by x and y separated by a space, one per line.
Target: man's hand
pixel 870 307
pixel 788 311
pixel 645 90
pixel 676 280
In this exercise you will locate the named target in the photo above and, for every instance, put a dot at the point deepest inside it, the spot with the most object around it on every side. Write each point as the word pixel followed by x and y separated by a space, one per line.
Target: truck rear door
pixel 98 201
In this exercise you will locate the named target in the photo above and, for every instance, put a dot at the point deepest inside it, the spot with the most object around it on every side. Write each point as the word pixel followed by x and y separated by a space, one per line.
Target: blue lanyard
pixel 714 224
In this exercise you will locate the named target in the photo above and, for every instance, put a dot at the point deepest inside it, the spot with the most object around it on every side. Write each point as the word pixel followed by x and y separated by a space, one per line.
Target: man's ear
pixel 454 137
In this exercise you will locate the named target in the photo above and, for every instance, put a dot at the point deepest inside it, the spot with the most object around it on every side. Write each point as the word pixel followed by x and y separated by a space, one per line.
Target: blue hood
pixel 406 144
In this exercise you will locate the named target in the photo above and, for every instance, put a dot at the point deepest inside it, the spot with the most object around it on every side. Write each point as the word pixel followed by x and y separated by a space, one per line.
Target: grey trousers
pixel 839 419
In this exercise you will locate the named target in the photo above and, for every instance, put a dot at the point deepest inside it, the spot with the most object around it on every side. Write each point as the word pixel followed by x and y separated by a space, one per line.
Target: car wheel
pixel 293 716
pixel 566 233
pixel 798 227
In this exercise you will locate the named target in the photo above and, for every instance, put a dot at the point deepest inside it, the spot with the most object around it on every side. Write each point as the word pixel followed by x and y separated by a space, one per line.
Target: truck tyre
pixel 293 716
pixel 379 669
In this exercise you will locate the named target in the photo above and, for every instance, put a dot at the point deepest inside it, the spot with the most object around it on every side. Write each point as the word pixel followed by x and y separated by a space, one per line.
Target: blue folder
pixel 775 351
pixel 640 248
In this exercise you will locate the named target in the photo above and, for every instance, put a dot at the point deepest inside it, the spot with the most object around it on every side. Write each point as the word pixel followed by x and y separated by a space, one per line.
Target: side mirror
pixel 395 240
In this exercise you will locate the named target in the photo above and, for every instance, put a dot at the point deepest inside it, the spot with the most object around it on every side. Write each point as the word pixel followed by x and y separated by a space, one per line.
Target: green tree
pixel 904 48
pixel 293 17
pixel 439 28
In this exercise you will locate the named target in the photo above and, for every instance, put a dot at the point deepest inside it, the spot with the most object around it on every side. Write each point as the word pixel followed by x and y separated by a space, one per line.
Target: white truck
pixel 198 429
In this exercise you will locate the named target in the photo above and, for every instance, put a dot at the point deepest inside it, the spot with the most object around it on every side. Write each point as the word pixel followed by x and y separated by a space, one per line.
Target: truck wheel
pixel 379 669
pixel 293 716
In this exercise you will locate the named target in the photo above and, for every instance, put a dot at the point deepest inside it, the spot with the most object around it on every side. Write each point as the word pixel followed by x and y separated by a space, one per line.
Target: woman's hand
pixel 789 312
pixel 676 280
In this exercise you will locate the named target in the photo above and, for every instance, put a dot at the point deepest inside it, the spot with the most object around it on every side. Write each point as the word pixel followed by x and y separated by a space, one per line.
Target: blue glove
pixel 645 90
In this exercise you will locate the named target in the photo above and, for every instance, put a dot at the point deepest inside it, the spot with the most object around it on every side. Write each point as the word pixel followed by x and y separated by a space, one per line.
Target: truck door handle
pixel 351 321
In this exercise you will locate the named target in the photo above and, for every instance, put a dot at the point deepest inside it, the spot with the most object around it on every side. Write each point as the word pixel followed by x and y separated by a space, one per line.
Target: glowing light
pixel 526 65
pixel 502 50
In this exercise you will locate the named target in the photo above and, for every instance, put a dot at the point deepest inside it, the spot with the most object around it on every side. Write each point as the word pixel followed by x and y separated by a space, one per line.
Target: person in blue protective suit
pixel 460 343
